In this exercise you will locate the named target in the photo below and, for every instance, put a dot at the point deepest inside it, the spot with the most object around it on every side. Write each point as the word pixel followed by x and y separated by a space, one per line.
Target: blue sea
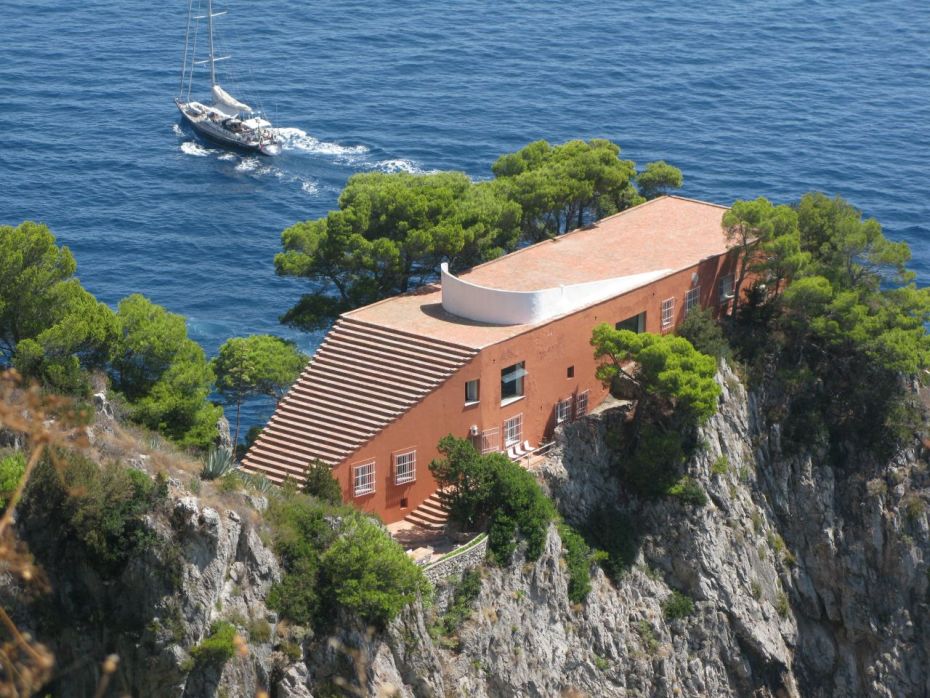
pixel 747 97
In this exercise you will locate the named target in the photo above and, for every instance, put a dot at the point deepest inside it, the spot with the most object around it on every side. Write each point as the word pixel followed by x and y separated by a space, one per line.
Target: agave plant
pixel 218 463
pixel 259 483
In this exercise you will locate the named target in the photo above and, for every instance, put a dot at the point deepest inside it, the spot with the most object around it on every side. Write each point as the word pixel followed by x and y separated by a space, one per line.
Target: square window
pixel 571 372
pixel 581 404
pixel 471 391
pixel 405 467
pixel 513 430
pixel 668 312
pixel 512 381
pixel 563 410
pixel 363 478
pixel 692 298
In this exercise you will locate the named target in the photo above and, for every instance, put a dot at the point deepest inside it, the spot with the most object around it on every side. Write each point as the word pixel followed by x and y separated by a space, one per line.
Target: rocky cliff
pixel 807 579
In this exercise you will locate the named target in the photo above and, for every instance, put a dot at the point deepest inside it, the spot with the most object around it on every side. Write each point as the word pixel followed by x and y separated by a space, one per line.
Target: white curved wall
pixel 501 307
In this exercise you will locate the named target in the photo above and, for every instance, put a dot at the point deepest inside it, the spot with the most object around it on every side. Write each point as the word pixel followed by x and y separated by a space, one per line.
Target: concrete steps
pixel 362 378
pixel 432 514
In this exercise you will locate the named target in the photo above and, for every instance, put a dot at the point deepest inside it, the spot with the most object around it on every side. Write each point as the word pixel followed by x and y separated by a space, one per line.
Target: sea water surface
pixel 747 97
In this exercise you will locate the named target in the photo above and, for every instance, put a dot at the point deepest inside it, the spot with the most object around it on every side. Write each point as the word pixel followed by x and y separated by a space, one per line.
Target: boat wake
pixel 195 149
pixel 298 139
pixel 352 155
pixel 401 165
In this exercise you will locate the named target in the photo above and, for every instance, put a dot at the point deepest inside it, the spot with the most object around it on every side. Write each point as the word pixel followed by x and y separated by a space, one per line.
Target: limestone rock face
pixel 808 579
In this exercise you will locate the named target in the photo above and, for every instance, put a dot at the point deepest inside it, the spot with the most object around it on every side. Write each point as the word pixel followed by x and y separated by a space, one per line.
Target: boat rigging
pixel 225 120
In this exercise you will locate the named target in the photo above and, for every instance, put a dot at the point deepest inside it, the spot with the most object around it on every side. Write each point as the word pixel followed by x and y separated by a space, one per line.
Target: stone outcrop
pixel 807 578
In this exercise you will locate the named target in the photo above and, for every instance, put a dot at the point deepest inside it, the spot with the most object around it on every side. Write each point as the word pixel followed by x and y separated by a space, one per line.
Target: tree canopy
pixel 391 232
pixel 257 365
pixel 561 187
pixel 50 327
pixel 664 369
pixel 848 327
pixel 163 374
pixel 765 239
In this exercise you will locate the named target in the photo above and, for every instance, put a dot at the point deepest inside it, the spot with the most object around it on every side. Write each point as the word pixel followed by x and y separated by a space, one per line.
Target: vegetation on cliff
pixel 54 331
pixel 337 558
pixel 838 346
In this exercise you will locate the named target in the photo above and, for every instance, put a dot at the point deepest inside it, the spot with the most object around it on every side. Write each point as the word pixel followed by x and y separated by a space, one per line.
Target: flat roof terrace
pixel 668 233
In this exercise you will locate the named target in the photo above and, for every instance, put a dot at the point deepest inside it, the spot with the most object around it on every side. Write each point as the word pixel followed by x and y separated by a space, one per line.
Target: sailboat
pixel 225 120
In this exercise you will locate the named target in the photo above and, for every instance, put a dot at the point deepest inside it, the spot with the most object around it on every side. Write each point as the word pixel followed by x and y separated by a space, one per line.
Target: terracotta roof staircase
pixel 361 379
pixel 432 514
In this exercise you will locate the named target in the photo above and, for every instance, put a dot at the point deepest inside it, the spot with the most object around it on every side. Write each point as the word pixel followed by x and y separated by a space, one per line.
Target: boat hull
pixel 212 132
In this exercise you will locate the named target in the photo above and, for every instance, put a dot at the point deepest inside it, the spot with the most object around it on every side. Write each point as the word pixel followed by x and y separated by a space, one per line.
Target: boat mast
pixel 212 56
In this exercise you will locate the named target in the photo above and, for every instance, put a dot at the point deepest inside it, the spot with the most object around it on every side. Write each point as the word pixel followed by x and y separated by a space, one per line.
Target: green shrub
pixel 782 607
pixel 648 636
pixel 720 466
pixel 12 469
pixel 466 591
pixel 490 488
pixel 102 508
pixel 321 484
pixel 689 491
pixel 502 539
pixel 701 329
pixel 677 605
pixel 300 533
pixel 259 630
pixel 613 533
pixel 601 662
pixel 578 558
pixel 367 573
pixel 652 466
pixel 218 463
pixel 218 647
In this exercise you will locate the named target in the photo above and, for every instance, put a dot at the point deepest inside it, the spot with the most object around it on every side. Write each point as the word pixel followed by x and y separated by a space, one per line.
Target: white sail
pixel 226 103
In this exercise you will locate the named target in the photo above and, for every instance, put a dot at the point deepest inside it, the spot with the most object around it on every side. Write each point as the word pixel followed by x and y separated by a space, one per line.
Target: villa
pixel 500 355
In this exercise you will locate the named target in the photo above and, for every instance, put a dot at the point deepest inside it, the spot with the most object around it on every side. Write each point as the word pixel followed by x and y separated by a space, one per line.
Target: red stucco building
pixel 500 354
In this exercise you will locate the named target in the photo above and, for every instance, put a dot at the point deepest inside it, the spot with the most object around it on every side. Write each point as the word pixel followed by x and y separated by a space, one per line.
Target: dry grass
pixel 48 425
pixel 45 421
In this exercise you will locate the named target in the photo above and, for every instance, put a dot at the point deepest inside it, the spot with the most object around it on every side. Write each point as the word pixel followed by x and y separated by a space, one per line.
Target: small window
pixel 563 410
pixel 726 287
pixel 581 404
pixel 405 467
pixel 471 391
pixel 571 372
pixel 513 430
pixel 512 381
pixel 363 478
pixel 668 312
pixel 692 298
pixel 637 323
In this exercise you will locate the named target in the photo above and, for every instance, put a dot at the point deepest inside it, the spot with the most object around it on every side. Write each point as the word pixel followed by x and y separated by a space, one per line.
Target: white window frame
pixel 513 430
pixel 581 404
pixel 405 467
pixel 668 312
pixel 477 383
pixel 692 298
pixel 520 368
pixel 563 410
pixel 726 282
pixel 363 478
